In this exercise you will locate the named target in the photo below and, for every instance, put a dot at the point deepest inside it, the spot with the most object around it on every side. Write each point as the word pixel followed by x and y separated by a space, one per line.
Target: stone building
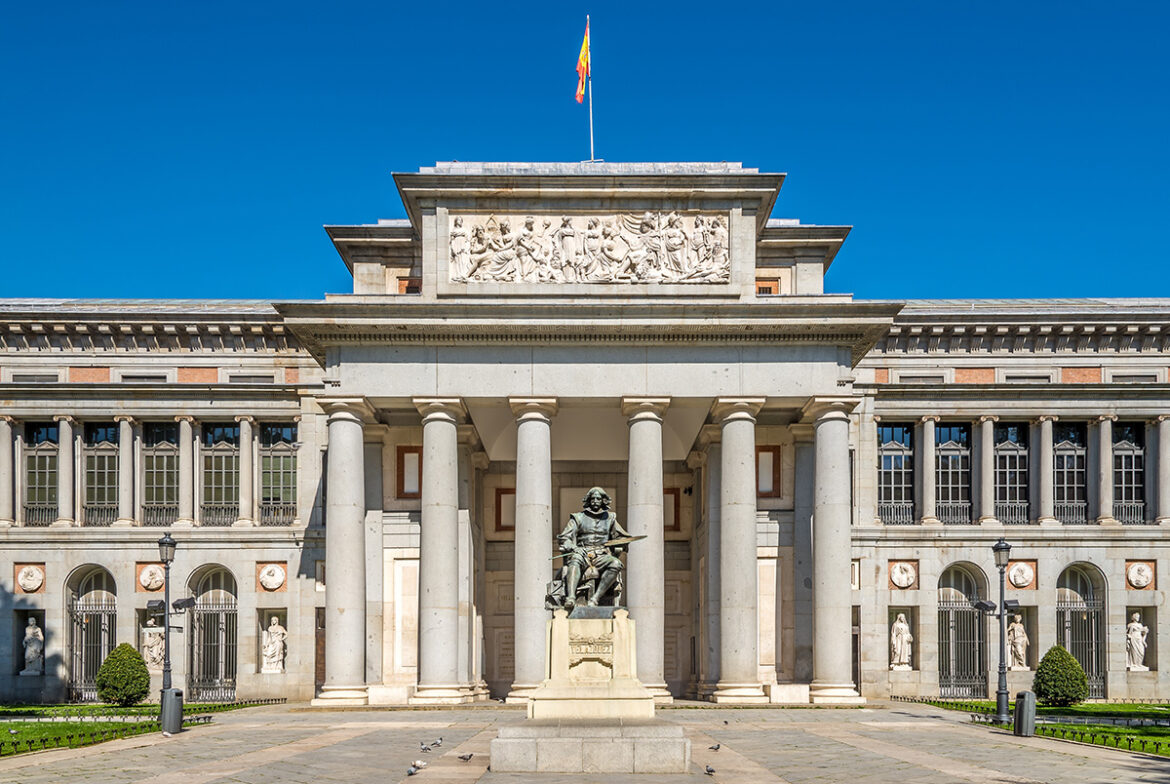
pixel 383 472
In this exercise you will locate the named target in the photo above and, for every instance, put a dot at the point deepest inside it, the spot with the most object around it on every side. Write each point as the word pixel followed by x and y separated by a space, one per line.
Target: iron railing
pixel 277 514
pixel 896 512
pixel 962 666
pixel 1130 512
pixel 91 638
pixel 1072 512
pixel 1081 632
pixel 99 514
pixel 213 653
pixel 1012 512
pixel 40 514
pixel 953 512
pixel 159 514
pixel 218 514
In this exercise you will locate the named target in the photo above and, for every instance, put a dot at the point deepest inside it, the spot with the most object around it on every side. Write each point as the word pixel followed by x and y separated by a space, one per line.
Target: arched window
pixel 213 638
pixel 93 600
pixel 962 649
pixel 1080 615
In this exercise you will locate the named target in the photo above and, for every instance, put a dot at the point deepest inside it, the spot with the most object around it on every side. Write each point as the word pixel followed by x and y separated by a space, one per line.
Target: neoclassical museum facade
pixel 380 475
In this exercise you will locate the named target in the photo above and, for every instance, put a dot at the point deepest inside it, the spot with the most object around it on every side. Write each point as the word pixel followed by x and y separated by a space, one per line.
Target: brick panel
pixel 974 375
pixel 881 375
pixel 89 375
pixel 198 375
pixel 1080 375
pixel 292 375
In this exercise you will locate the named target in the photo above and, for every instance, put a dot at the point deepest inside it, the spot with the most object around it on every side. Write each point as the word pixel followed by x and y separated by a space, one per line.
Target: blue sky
pixel 196 149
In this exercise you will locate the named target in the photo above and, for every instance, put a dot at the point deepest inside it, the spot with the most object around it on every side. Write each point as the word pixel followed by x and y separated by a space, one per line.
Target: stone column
pixel 534 536
pixel 802 551
pixel 646 561
pixel 125 471
pixel 1163 512
pixel 929 512
pixel 186 516
pixel 1105 470
pixel 739 661
pixel 345 554
pixel 832 552
pixel 712 484
pixel 246 515
pixel 65 483
pixel 438 568
pixel 7 475
pixel 986 469
pixel 1046 506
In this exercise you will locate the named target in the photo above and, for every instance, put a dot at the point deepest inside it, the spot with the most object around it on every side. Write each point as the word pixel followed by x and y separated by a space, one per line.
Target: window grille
pixel 1080 612
pixel 953 474
pixel 1069 481
pixel 213 653
pixel 1129 468
pixel 1011 474
pixel 40 473
pixel 962 647
pixel 99 455
pixel 160 477
pixel 278 474
pixel 92 627
pixel 221 475
pixel 896 474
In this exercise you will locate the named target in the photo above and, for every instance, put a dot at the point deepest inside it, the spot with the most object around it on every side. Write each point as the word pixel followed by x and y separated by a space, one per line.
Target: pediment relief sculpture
pixel 651 247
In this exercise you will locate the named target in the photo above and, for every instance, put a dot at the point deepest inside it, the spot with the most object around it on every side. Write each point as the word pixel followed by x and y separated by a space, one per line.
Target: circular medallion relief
pixel 31 578
pixel 272 577
pixel 151 577
pixel 903 574
pixel 1021 574
pixel 1139 575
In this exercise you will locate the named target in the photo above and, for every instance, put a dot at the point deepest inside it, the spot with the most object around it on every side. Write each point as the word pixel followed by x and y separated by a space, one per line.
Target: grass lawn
pixel 1086 709
pixel 145 710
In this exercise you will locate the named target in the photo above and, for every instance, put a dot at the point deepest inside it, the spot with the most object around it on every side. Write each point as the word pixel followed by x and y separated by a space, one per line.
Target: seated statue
pixel 592 570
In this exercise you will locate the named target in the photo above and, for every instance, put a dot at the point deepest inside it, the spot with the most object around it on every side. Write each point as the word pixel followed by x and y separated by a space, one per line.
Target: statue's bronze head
pixel 596 492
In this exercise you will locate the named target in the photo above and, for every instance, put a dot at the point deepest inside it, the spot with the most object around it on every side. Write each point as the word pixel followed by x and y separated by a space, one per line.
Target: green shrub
pixel 123 679
pixel 1060 679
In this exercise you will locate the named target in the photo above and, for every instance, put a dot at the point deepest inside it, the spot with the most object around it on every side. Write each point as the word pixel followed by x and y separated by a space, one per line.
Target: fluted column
pixel 65 481
pixel 929 471
pixel 534 534
pixel 1105 470
pixel 125 471
pixel 646 576
pixel 345 554
pixel 246 515
pixel 832 604
pixel 1047 502
pixel 986 469
pixel 7 475
pixel 739 661
pixel 438 590
pixel 1163 490
pixel 186 471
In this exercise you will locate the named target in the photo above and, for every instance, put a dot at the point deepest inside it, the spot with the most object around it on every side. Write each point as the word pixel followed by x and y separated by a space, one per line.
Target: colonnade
pixel 732 592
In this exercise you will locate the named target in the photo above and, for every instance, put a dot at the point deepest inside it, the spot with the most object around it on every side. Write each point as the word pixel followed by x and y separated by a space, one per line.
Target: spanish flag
pixel 583 64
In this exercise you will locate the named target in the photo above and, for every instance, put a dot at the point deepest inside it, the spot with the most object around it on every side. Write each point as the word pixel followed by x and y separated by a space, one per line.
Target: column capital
pixel 9 419
pixel 469 436
pixel 1107 418
pixel 802 433
pixel 641 406
pixel 185 418
pixel 726 408
pixel 988 418
pixel 480 460
pixel 246 418
pixel 710 434
pixel 125 418
pixel 930 418
pixel 450 408
pixel 544 406
pixel 354 407
pixel 1047 418
pixel 1161 418
pixel 65 418
pixel 818 407
pixel 696 460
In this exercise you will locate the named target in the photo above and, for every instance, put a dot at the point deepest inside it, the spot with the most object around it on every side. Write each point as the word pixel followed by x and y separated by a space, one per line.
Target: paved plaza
pixel 907 744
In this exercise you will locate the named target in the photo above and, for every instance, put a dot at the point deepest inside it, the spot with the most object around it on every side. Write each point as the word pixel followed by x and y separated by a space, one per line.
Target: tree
pixel 123 678
pixel 1060 679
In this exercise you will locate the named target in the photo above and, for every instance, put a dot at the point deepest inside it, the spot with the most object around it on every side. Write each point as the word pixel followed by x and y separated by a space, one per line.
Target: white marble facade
pixel 528 332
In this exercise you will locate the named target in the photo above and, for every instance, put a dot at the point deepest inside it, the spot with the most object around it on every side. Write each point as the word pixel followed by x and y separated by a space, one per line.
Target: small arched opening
pixel 962 645
pixel 214 634
pixel 1080 621
pixel 93 615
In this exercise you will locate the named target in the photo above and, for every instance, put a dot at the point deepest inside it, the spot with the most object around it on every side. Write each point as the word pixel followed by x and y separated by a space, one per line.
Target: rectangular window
pixel 100 457
pixel 40 473
pixel 278 474
pixel 250 378
pixel 35 378
pixel 160 473
pixel 144 378
pixel 410 285
pixel 221 474
pixel 672 509
pixel 1129 470
pixel 953 473
pixel 1011 473
pixel 409 472
pixel 1069 482
pixel 896 473
pixel 505 509
pixel 768 471
pixel 767 287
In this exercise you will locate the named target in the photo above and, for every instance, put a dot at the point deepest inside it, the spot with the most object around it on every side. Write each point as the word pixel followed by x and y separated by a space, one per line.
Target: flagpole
pixel 589 75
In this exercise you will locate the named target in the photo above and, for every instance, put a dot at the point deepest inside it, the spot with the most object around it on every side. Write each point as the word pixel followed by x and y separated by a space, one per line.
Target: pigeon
pixel 419 764
pixel 424 748
pixel 710 771
pixel 411 770
pixel 13 732
pixel 466 757
pixel 714 748
pixel 438 742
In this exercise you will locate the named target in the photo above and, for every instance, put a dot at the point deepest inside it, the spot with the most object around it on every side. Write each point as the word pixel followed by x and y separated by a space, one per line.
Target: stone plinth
pixel 591 746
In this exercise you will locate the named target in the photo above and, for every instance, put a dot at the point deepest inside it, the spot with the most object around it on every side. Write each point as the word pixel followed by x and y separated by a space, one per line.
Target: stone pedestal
pixel 584 746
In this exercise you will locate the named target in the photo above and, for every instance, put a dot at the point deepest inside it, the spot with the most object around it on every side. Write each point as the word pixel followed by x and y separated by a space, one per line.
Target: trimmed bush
pixel 123 678
pixel 1060 680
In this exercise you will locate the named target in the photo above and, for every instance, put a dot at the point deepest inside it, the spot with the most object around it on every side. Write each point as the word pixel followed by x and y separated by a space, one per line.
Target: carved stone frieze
pixel 650 247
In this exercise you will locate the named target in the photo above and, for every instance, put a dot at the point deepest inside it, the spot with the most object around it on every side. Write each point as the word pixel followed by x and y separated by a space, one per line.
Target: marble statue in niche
pixel 152 645
pixel 274 644
pixel 901 643
pixel 651 247
pixel 1136 633
pixel 34 649
pixel 1018 642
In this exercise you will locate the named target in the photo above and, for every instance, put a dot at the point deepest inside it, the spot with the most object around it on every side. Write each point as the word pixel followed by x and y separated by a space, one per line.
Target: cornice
pixel 126 334
pixel 1141 333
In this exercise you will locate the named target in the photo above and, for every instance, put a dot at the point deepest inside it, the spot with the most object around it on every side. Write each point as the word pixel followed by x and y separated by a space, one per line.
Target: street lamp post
pixel 1002 550
pixel 171 702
